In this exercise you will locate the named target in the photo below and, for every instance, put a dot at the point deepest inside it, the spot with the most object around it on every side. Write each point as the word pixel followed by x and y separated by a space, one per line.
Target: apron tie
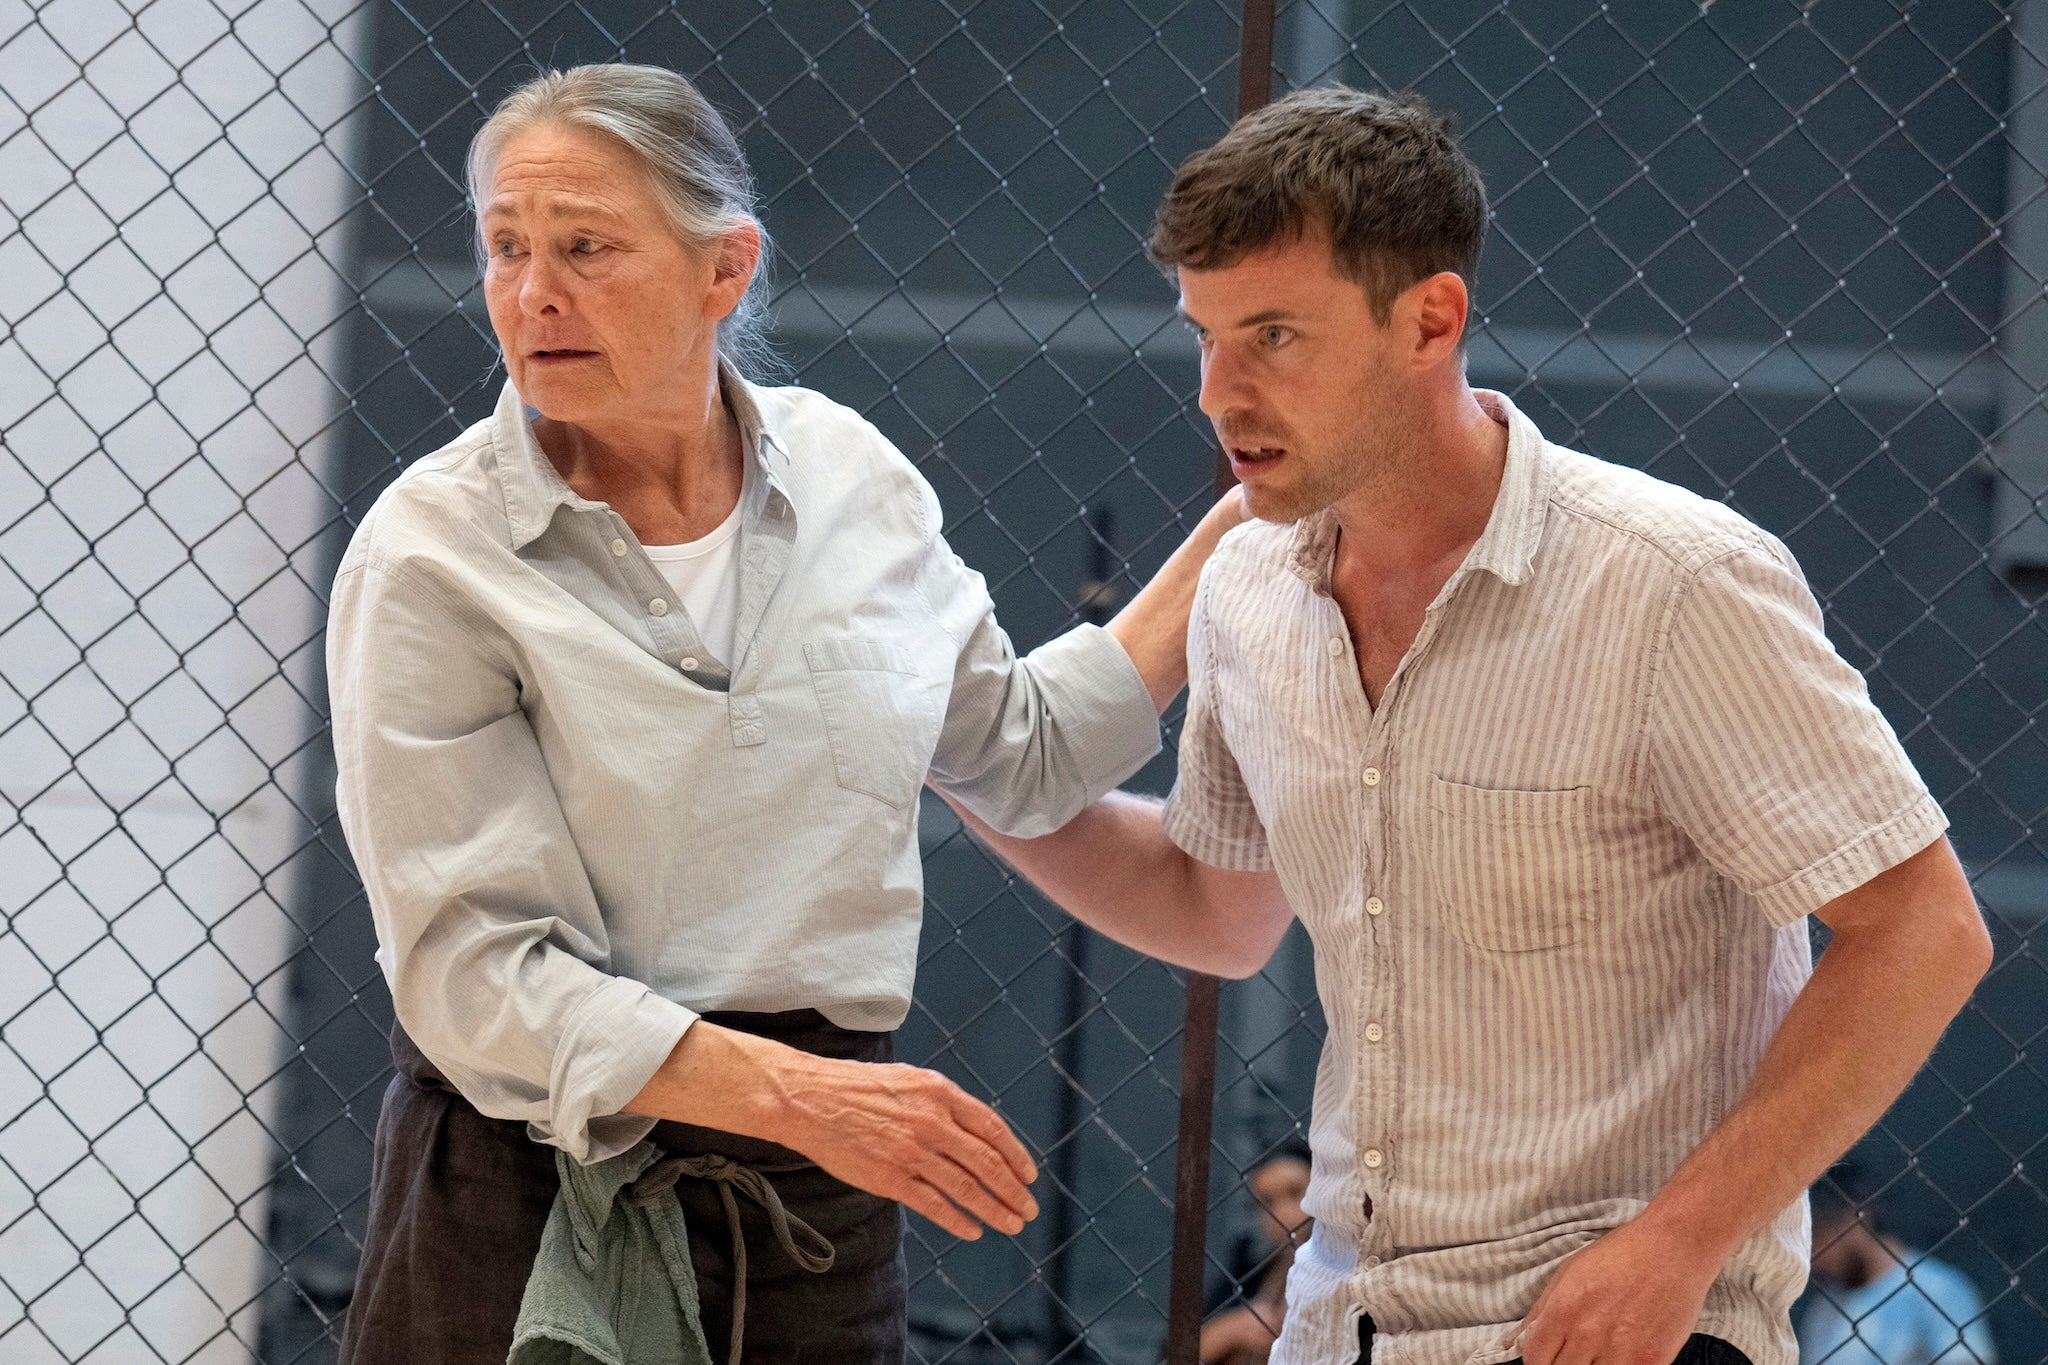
pixel 660 1179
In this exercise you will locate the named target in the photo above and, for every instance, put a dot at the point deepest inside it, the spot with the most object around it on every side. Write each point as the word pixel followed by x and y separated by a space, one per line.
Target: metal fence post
pixel 1198 1029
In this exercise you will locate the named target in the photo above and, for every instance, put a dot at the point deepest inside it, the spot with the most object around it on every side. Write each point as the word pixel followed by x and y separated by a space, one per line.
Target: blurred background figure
pixel 1878 1301
pixel 1243 1333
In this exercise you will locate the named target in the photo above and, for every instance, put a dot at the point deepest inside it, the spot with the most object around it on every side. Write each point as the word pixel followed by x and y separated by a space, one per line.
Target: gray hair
pixel 686 148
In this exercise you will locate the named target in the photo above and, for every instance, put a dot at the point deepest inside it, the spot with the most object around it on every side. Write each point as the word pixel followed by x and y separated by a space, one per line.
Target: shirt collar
pixel 534 488
pixel 1514 529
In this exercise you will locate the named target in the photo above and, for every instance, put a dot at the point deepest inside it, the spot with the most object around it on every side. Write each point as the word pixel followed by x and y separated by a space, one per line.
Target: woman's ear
pixel 739 252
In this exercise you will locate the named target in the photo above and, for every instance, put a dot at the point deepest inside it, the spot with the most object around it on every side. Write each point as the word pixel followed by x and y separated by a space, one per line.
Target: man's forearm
pixel 1908 948
pixel 1113 868
pixel 1865 1023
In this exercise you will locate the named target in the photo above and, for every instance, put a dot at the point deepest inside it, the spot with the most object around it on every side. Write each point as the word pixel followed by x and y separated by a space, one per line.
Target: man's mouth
pixel 1254 454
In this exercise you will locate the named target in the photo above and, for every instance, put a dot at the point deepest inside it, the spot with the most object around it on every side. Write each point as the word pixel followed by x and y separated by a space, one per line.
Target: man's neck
pixel 1437 506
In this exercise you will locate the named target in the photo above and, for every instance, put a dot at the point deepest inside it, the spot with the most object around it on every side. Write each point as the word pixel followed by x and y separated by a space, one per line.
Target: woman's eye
pixel 503 248
pixel 583 246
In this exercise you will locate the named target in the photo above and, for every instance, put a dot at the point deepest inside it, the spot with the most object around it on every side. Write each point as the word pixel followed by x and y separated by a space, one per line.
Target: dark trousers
pixel 1699 1348
pixel 458 1201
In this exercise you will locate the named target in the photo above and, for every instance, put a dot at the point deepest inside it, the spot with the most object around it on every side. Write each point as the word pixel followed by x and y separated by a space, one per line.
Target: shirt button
pixel 689 663
pixel 1373 1033
pixel 1372 1262
pixel 1372 777
pixel 1374 905
pixel 618 549
pixel 1336 646
pixel 658 607
pixel 1374 1158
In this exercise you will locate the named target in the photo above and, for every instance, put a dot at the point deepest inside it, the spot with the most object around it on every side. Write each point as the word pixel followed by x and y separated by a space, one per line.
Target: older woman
pixel 634 686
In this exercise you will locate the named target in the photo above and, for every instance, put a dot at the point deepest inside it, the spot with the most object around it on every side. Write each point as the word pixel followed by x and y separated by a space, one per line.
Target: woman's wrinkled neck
pixel 671 467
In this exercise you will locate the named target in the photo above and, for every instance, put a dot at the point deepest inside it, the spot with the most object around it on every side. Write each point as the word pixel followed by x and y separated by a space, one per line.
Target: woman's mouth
pixel 562 353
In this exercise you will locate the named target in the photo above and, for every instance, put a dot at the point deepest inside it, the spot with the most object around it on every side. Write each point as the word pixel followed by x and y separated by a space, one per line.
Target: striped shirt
pixel 1555 881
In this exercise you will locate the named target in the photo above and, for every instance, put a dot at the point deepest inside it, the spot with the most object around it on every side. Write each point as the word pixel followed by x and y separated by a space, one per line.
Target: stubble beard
pixel 1365 464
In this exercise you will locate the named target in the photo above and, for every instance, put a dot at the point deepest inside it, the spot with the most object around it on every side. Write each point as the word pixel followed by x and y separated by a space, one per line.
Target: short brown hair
pixel 1381 174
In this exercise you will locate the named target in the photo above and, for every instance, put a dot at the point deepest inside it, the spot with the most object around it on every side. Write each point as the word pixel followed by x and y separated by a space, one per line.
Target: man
pixel 1243 1334
pixel 1552 759
pixel 1879 1301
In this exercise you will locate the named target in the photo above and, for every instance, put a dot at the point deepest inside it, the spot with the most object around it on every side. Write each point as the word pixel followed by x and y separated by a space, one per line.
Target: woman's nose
pixel 541 286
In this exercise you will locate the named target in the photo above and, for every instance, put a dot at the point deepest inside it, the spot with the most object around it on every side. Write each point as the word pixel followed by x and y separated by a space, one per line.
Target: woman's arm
pixel 1028 742
pixel 488 925
pixel 902 1132
pixel 1153 627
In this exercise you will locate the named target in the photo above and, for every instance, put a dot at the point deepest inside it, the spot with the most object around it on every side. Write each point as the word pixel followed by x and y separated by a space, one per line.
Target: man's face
pixel 1295 377
pixel 1841 1243
pixel 1279 1186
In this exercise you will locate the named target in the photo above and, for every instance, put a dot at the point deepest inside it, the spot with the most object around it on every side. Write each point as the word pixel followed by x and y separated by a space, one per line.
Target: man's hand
pixel 897 1131
pixel 1631 1298
pixel 913 1136
pixel 1908 946
pixel 1244 1333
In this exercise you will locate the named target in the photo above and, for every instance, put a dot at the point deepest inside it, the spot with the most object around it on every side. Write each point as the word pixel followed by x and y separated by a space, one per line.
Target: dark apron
pixel 457 1203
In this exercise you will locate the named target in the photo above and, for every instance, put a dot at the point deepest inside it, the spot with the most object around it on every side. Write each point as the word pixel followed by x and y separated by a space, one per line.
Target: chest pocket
pixel 1515 871
pixel 879 717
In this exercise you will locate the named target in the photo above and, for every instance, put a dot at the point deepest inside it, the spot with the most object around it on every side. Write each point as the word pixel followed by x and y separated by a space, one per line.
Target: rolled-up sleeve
pixel 489 933
pixel 1209 813
pixel 1028 742
pixel 1766 748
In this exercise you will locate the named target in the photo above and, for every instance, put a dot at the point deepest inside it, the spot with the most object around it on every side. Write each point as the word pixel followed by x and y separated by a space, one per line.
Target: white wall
pixel 170 186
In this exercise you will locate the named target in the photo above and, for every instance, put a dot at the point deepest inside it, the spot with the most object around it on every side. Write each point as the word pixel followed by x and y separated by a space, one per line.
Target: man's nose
pixel 1223 384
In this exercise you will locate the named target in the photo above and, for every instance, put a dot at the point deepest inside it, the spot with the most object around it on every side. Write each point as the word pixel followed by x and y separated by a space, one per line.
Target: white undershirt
pixel 707 584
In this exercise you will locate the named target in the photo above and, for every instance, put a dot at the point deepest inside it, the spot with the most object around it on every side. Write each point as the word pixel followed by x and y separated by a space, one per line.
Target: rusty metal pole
pixel 1198 1028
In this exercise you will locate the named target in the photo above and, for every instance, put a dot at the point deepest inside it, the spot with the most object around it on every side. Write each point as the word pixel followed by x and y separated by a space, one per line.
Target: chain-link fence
pixel 1793 255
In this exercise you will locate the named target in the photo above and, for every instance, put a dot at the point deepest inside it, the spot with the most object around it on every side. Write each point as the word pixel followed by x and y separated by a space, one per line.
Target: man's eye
pixel 583 246
pixel 1275 336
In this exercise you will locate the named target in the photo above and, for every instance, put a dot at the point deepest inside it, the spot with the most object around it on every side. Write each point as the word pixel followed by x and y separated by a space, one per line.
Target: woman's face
pixel 602 312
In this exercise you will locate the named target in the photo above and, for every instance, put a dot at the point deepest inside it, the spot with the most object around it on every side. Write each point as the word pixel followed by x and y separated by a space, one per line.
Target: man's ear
pixel 1434 311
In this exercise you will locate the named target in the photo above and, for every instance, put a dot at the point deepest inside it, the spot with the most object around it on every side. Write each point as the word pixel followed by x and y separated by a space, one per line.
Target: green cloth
pixel 612 1284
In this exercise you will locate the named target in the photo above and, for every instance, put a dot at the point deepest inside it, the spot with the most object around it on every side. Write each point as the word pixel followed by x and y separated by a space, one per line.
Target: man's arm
pixel 1113 868
pixel 1908 947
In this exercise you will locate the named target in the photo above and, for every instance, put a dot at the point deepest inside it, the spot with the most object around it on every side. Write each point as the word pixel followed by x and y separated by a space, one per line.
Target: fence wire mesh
pixel 1791 255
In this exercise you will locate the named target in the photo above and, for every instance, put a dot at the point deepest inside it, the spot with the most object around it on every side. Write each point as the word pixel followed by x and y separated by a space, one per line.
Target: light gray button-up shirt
pixel 578 828
pixel 1555 881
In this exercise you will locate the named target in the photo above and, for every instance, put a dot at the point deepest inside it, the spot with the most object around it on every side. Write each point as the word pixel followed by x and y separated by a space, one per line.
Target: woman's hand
pixel 1153 628
pixel 901 1132
pixel 914 1136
